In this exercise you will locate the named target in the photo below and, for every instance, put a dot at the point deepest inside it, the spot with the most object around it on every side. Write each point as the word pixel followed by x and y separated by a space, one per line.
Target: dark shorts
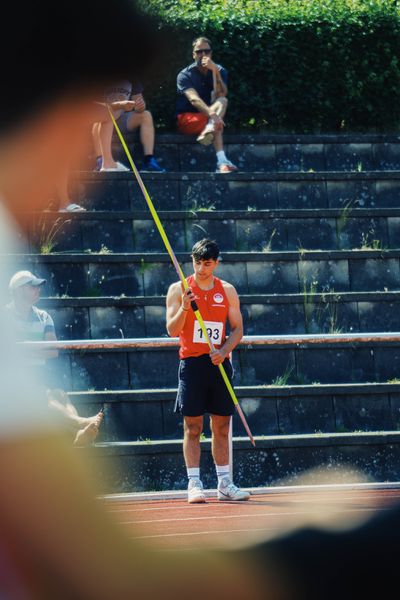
pixel 201 388
pixel 122 120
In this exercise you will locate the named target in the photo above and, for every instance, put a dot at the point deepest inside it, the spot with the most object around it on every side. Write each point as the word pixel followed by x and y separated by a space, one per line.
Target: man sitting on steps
pixel 127 103
pixel 202 101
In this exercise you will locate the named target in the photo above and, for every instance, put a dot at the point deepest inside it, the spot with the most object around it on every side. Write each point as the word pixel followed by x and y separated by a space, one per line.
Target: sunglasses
pixel 203 51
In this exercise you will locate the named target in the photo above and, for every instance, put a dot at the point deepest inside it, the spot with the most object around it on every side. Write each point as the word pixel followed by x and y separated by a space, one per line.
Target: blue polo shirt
pixel 192 77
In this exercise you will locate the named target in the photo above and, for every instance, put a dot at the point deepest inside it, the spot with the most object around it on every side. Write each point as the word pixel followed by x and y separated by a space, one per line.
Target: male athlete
pixel 201 387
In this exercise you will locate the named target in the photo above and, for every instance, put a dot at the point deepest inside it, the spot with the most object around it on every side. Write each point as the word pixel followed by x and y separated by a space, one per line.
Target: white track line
pixel 191 533
pixel 179 495
pixel 249 516
pixel 186 506
pixel 227 531
pixel 224 504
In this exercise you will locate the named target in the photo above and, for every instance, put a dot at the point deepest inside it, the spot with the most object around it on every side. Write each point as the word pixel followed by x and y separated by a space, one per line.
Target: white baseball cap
pixel 22 278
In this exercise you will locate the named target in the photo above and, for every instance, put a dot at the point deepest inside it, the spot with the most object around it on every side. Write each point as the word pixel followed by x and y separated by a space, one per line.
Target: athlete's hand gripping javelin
pixel 187 298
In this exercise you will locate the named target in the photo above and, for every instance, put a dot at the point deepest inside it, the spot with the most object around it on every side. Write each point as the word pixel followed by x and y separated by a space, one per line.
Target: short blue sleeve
pixel 184 82
pixel 224 75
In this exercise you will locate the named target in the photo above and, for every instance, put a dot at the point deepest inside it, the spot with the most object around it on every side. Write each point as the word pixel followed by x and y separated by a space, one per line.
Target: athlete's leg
pixel 193 426
pixel 220 439
pixel 227 490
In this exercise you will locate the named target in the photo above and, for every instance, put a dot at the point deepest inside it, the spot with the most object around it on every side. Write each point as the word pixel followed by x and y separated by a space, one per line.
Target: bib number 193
pixel 214 330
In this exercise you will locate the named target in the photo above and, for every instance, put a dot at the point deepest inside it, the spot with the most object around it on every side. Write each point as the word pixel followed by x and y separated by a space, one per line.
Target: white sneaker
pixel 119 167
pixel 196 492
pixel 226 167
pixel 72 208
pixel 207 135
pixel 227 490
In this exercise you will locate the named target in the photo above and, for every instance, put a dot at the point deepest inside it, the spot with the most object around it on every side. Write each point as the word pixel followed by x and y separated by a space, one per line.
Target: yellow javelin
pixel 178 269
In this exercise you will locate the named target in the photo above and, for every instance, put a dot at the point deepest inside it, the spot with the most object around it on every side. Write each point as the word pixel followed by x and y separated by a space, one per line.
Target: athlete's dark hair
pixel 201 39
pixel 205 250
pixel 52 50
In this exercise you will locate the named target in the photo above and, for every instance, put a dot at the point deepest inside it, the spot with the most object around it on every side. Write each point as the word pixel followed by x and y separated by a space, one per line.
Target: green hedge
pixel 294 65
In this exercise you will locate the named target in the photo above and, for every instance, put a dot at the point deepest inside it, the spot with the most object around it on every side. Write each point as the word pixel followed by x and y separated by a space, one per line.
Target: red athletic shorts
pixel 191 123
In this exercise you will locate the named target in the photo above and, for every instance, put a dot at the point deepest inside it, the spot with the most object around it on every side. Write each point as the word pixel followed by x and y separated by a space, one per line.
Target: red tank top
pixel 214 308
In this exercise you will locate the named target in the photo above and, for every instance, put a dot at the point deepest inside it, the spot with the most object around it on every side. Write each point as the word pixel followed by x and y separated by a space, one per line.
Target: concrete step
pixel 276 152
pixel 276 460
pixel 251 272
pixel 120 369
pixel 139 415
pixel 312 229
pixel 239 191
pixel 268 314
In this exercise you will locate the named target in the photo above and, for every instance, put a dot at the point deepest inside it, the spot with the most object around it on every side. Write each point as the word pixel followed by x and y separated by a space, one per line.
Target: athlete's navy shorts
pixel 201 388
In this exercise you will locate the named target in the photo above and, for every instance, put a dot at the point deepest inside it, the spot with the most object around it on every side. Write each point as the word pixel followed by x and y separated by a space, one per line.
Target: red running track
pixel 174 524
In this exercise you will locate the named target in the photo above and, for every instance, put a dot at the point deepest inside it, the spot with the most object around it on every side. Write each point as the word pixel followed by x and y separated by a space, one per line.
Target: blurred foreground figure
pixel 55 540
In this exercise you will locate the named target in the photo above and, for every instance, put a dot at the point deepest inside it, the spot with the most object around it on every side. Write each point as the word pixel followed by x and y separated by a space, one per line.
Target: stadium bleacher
pixel 309 230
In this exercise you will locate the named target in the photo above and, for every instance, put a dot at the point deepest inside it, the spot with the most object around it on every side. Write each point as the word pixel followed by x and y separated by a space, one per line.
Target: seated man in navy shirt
pixel 202 101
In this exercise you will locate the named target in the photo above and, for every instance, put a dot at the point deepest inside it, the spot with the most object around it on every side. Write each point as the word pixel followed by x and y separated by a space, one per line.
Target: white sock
pixel 222 472
pixel 221 157
pixel 193 473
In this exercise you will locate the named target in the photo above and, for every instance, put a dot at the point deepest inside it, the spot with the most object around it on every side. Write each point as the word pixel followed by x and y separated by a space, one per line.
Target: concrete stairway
pixel 310 232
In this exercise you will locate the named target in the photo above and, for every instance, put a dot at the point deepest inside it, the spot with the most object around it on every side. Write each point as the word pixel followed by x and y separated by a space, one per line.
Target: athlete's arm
pixel 236 325
pixel 178 306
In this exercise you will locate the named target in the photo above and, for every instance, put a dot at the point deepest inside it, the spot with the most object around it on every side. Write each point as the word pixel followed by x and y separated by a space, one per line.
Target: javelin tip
pixel 245 424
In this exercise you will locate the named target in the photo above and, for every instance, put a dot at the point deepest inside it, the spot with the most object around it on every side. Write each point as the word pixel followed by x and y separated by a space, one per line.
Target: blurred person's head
pixel 25 288
pixel 60 58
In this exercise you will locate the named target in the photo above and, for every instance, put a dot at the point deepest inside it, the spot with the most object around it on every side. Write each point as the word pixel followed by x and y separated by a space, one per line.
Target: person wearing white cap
pixel 34 324
pixel 31 323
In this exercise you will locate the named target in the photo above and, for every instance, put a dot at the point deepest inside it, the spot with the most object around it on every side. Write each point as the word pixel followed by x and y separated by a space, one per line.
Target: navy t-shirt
pixel 192 77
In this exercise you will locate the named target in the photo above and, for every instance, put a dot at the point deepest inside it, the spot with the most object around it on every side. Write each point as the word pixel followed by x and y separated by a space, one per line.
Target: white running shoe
pixel 196 492
pixel 207 135
pixel 119 167
pixel 226 167
pixel 227 490
pixel 72 208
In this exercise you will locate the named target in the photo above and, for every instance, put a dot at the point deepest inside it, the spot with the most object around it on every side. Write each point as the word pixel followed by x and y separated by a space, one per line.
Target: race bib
pixel 214 329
